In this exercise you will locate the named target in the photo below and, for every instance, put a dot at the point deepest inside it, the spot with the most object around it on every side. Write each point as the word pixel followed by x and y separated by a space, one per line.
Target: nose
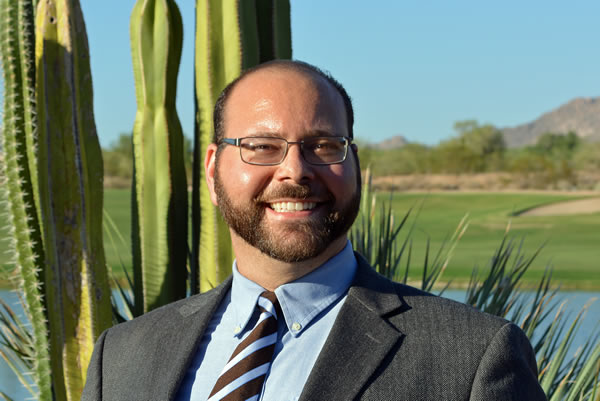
pixel 294 167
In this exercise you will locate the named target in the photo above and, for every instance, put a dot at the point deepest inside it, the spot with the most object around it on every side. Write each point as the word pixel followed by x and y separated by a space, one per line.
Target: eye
pixel 325 145
pixel 261 146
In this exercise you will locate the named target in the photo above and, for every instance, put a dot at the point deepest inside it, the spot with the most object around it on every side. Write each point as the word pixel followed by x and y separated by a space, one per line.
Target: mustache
pixel 290 191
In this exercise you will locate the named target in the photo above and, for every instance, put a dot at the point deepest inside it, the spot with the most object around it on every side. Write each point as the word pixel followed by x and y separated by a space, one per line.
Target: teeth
pixel 282 207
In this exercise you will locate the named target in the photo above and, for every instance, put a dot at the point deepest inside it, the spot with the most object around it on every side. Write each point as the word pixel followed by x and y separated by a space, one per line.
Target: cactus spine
pixel 18 177
pixel 160 188
pixel 231 36
pixel 70 178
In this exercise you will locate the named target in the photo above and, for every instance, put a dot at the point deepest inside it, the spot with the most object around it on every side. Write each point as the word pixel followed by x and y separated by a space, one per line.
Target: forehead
pixel 281 99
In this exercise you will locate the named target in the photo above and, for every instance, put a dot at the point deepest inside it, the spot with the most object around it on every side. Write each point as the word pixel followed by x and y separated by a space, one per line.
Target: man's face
pixel 319 202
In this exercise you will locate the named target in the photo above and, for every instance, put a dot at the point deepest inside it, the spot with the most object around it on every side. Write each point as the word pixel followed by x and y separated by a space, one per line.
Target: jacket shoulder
pixel 145 358
pixel 444 311
pixel 155 321
pixel 416 307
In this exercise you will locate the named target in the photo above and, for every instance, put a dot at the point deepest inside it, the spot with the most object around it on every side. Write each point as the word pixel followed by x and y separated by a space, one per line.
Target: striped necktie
pixel 243 376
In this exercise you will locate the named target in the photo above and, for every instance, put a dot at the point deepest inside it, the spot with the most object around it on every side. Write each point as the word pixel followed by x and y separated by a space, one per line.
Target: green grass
pixel 572 242
pixel 117 204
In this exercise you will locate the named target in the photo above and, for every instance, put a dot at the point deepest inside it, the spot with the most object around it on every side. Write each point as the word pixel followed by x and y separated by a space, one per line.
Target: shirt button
pixel 296 326
pixel 237 330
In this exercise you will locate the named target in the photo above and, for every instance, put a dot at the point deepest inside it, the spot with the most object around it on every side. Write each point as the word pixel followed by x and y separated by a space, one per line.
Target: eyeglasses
pixel 270 151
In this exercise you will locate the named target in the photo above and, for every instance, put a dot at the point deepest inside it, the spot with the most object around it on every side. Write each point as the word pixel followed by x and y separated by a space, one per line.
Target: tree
pixel 476 148
pixel 118 158
pixel 587 157
pixel 558 146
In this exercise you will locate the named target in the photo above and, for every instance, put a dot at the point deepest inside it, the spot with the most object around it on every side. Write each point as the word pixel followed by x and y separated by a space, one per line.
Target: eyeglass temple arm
pixel 232 141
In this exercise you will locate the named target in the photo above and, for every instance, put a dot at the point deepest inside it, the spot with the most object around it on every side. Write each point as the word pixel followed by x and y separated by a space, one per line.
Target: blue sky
pixel 411 67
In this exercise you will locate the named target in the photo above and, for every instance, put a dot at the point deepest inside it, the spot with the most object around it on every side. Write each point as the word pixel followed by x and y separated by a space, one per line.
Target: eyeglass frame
pixel 237 142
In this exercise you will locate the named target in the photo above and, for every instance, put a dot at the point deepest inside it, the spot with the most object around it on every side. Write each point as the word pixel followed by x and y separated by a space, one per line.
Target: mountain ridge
pixel 580 115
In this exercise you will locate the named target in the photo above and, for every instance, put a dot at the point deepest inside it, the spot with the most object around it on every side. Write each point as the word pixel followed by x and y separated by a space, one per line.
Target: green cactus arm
pixel 26 38
pixel 218 60
pixel 282 41
pixel 274 33
pixel 17 165
pixel 160 190
pixel 204 241
pixel 266 33
pixel 70 178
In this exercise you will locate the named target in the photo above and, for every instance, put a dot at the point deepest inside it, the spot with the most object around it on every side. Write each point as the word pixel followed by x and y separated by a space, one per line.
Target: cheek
pixel 342 179
pixel 236 173
pixel 249 181
pixel 245 178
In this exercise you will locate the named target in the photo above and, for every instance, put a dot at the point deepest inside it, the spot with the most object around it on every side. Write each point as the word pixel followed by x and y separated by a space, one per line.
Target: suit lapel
pixel 180 338
pixel 359 340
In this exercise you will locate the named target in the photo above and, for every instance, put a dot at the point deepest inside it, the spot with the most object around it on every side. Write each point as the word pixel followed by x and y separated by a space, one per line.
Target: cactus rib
pixel 70 178
pixel 160 188
pixel 18 175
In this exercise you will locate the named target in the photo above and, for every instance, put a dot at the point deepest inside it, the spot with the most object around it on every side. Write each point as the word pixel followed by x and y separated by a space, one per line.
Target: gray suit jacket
pixel 389 342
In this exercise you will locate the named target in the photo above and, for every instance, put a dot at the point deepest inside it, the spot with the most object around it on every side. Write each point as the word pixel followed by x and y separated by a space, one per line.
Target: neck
pixel 270 273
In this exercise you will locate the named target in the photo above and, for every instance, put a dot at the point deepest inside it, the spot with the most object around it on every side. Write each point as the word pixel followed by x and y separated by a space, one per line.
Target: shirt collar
pixel 301 300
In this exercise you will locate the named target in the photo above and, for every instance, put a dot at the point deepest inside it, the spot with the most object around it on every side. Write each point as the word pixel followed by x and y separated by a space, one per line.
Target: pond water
pixel 576 300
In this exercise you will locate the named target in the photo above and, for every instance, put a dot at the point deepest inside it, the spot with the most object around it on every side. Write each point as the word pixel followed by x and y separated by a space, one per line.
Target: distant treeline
pixel 555 158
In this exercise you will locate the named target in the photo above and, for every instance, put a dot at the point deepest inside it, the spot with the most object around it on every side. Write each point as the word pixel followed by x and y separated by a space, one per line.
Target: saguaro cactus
pixel 17 182
pixel 160 188
pixel 231 36
pixel 70 179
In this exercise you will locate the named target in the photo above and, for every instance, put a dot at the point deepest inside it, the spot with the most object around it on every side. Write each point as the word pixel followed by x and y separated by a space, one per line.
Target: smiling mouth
pixel 287 207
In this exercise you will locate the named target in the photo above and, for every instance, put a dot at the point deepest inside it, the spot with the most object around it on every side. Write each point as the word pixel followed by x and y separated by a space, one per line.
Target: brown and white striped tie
pixel 244 375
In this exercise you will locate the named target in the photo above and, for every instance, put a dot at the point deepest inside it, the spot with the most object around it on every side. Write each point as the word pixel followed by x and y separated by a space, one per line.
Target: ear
pixel 210 160
pixel 354 148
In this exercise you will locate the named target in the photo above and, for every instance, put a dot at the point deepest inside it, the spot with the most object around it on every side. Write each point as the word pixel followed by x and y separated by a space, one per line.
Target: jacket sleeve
pixel 93 384
pixel 508 370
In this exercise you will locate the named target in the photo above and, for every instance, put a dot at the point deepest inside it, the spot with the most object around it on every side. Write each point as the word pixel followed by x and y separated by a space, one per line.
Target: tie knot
pixel 268 302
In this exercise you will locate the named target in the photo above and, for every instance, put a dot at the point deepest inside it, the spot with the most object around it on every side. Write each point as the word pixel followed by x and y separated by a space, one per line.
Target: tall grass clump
pixel 376 235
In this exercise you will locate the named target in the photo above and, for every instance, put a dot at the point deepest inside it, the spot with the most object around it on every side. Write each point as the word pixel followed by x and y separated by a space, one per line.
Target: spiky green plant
pixel 70 180
pixel 564 374
pixel 231 36
pixel 159 229
pixel 376 235
pixel 26 351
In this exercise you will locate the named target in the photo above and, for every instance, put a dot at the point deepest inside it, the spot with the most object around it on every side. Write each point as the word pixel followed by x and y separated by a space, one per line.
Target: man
pixel 286 177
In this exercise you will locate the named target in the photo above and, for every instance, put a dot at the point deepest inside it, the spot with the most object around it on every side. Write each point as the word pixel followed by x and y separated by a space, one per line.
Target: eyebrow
pixel 313 133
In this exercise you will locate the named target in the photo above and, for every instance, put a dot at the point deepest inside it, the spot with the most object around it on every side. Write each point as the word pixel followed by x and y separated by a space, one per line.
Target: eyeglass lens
pixel 317 150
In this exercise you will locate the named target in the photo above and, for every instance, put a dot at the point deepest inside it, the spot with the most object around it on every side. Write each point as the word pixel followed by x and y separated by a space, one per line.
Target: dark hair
pixel 219 110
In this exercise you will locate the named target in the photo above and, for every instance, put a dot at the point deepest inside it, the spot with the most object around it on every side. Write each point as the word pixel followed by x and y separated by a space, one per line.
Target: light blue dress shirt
pixel 310 306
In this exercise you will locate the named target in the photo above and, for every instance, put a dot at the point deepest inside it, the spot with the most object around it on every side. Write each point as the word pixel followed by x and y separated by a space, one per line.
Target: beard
pixel 292 241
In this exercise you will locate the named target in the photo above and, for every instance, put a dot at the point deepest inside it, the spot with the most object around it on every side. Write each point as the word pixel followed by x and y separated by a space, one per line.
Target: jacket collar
pixel 181 337
pixel 343 368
